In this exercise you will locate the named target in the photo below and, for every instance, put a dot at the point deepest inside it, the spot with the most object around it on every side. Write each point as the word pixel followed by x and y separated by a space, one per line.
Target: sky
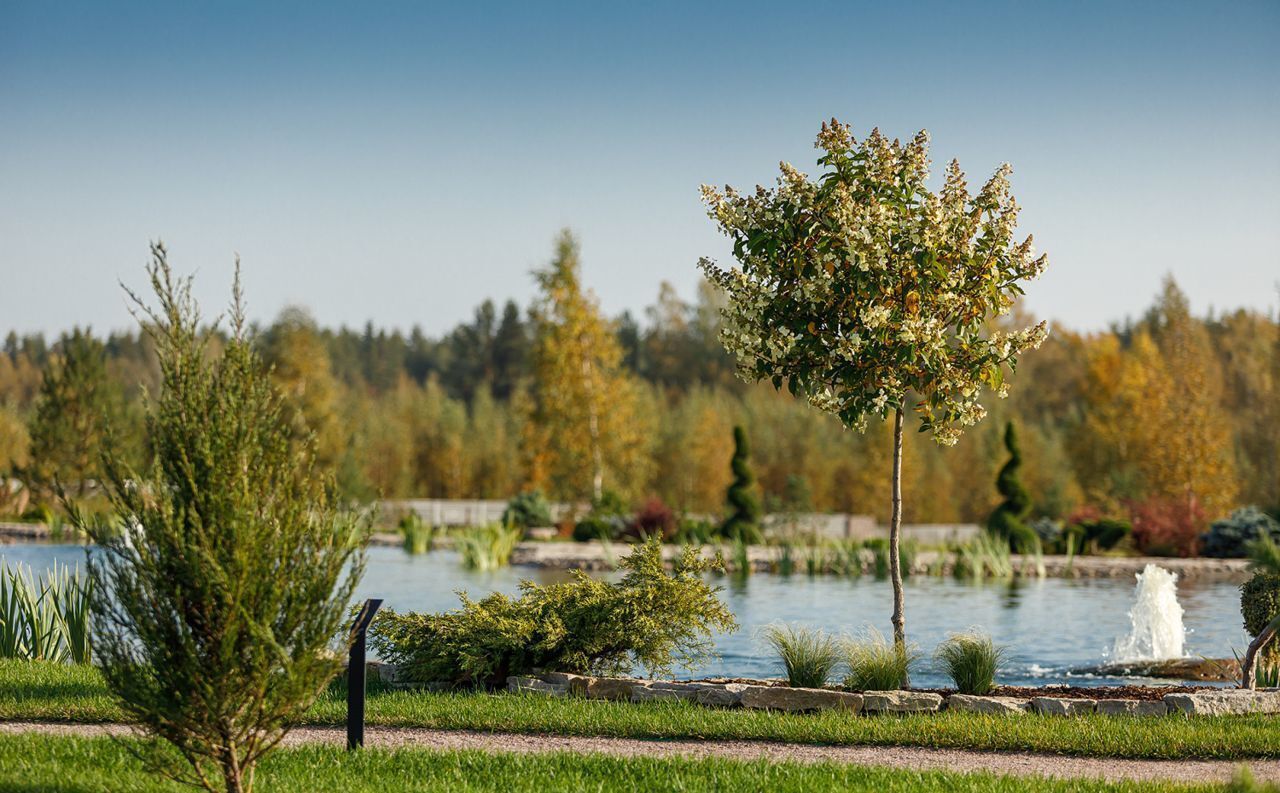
pixel 401 162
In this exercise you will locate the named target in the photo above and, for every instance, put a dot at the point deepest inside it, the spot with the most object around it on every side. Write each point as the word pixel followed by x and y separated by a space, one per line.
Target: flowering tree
pixel 863 290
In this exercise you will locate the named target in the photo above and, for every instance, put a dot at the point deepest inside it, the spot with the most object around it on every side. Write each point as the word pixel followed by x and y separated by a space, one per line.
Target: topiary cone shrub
pixel 743 522
pixel 1008 521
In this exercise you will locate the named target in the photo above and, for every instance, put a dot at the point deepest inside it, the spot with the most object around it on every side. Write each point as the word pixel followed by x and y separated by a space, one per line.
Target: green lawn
pixel 74 765
pixel 54 692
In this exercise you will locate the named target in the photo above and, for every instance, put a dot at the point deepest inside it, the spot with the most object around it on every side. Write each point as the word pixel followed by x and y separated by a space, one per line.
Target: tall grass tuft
pixel 44 619
pixel 876 664
pixel 809 656
pixel 971 660
pixel 985 556
pixel 417 536
pixel 486 547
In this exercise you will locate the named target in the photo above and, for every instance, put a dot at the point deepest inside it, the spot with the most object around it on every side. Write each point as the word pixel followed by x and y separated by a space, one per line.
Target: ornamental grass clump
pixel 876 664
pixel 868 294
pixel 650 618
pixel 221 597
pixel 808 655
pixel 487 547
pixel 47 618
pixel 971 660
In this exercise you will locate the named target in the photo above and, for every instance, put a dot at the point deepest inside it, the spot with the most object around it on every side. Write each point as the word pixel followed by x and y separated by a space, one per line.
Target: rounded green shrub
pixel 527 510
pixel 1259 601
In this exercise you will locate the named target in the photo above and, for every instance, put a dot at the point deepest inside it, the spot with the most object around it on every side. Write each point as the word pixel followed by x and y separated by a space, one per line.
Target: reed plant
pixel 808 655
pixel 985 556
pixel 486 547
pixel 44 619
pixel 876 664
pixel 971 659
pixel 879 548
pixel 418 537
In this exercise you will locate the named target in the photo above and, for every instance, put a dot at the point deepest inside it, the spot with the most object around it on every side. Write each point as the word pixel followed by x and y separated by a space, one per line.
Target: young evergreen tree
pixel 1009 519
pixel 75 405
pixel 225 585
pixel 744 510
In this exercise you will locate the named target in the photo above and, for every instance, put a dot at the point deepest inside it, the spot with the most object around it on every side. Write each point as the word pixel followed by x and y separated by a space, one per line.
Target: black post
pixel 356 674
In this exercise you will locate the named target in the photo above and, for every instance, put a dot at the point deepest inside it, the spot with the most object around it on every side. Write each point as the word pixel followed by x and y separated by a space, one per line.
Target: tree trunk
pixel 1248 667
pixel 593 423
pixel 895 531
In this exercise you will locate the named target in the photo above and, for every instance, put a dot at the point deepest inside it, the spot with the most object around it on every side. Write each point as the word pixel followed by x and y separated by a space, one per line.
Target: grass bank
pixel 31 763
pixel 35 691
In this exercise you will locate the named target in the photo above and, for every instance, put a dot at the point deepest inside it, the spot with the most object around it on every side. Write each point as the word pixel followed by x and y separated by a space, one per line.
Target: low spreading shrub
pixel 527 510
pixel 650 618
pixel 1230 537
pixel 876 664
pixel 971 660
pixel 809 656
pixel 607 520
pixel 695 531
pixel 1099 534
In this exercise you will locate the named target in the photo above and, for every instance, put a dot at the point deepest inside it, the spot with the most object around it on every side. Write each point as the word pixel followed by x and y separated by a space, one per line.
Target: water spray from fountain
pixel 1157 633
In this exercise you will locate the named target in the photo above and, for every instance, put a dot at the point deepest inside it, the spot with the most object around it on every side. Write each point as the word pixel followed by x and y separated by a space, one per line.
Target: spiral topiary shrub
pixel 1009 520
pixel 744 517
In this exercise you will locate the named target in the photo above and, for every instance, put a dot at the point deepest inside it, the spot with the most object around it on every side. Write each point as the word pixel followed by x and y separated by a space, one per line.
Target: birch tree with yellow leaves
pixel 585 429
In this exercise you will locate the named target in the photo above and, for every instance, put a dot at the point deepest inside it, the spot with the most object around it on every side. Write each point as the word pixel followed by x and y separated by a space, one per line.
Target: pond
pixel 1050 626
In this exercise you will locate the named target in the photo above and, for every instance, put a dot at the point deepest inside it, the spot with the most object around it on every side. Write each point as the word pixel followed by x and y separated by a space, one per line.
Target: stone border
pixel 801 700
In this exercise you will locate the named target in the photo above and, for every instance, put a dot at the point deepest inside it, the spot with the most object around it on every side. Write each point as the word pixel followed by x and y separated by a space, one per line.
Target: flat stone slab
pixel 520 685
pixel 1132 707
pixel 614 688
pixel 576 684
pixel 976 704
pixel 799 699
pixel 1225 702
pixel 901 701
pixel 1053 706
pixel 662 692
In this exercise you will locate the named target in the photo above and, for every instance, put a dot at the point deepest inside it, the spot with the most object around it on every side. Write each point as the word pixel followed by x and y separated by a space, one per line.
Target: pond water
pixel 1050 626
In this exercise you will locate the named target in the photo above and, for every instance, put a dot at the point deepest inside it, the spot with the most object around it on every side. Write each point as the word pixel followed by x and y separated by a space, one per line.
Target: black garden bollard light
pixel 356 673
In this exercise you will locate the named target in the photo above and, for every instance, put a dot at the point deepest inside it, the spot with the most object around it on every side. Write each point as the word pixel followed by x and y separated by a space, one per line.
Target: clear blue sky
pixel 400 162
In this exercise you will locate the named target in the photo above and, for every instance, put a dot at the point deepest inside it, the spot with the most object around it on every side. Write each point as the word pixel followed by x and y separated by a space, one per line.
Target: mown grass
pixel 80 765
pixel 32 692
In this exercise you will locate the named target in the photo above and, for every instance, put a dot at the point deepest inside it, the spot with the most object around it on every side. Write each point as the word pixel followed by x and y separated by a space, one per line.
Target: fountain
pixel 1155 644
pixel 1156 619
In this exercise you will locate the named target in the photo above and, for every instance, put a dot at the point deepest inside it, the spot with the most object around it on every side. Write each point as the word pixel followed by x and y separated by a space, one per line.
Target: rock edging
pixel 805 700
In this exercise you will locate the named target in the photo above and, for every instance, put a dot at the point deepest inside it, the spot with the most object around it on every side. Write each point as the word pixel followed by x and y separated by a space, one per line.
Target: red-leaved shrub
pixel 1167 527
pixel 654 518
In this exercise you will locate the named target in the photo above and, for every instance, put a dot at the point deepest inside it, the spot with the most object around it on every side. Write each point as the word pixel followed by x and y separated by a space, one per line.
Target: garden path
pixel 904 757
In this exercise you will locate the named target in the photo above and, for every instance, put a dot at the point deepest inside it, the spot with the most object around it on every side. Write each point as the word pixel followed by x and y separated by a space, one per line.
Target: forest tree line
pixel 1170 420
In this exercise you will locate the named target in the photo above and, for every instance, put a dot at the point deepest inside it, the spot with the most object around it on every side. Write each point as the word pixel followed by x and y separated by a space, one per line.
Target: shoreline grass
pixel 49 692
pixel 30 763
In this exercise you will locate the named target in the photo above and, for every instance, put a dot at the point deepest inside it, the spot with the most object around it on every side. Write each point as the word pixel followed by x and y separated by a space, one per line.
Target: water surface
pixel 1050 626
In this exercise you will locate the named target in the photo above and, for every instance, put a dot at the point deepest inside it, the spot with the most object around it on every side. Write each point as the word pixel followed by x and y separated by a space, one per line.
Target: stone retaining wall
pixel 762 696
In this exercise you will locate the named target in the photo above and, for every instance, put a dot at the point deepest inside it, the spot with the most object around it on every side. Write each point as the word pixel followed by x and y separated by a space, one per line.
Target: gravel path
pixel 909 757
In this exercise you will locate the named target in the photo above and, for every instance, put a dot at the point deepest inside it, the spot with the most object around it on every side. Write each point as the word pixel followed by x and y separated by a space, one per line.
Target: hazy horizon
pixel 401 164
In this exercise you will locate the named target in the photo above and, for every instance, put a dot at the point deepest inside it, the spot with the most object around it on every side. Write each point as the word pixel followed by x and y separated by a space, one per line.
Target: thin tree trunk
pixel 1249 666
pixel 895 531
pixel 593 422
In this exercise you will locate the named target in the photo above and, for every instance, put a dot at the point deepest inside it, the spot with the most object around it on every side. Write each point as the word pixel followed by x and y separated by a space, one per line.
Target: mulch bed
pixel 1152 693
